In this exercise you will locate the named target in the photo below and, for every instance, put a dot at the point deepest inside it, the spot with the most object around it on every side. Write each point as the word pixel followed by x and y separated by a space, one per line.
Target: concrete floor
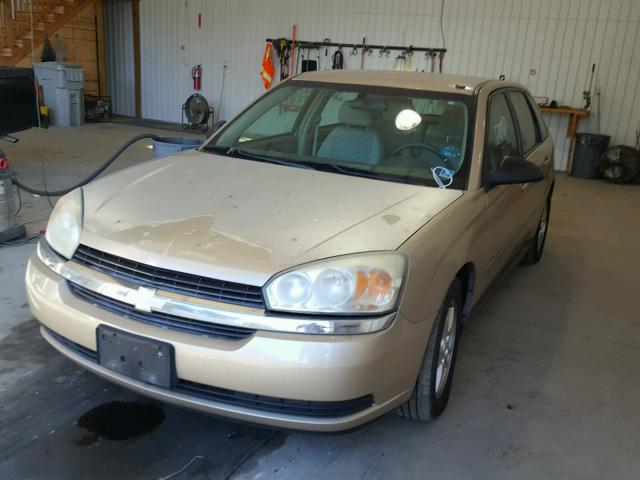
pixel 546 384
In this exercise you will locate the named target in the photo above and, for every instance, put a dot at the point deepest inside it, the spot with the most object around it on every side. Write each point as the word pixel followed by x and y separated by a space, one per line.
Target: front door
pixel 501 225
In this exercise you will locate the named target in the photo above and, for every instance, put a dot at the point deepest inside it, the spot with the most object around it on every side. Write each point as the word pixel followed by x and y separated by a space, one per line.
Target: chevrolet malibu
pixel 313 264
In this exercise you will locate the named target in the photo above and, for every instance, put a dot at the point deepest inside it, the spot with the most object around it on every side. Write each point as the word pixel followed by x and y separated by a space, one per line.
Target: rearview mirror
pixel 515 170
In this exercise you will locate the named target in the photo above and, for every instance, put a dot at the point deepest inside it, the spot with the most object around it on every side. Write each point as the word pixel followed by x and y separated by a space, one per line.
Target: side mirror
pixel 515 170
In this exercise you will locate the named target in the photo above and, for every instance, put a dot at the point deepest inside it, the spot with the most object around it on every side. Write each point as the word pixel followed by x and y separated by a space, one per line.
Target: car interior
pixel 416 137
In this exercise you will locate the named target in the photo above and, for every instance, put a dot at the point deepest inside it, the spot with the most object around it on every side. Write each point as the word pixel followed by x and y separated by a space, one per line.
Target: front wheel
pixel 431 392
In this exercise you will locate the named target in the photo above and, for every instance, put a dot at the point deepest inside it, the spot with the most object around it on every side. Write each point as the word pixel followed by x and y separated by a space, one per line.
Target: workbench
pixel 575 114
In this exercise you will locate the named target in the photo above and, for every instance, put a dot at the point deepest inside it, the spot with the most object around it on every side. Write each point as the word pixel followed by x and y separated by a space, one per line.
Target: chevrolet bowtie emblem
pixel 144 299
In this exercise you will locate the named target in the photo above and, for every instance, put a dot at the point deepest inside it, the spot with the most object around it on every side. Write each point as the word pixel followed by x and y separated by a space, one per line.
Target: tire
pixel 534 254
pixel 430 394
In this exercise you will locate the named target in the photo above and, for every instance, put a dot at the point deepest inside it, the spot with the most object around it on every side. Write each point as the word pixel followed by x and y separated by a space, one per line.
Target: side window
pixel 542 126
pixel 501 139
pixel 280 119
pixel 331 109
pixel 529 130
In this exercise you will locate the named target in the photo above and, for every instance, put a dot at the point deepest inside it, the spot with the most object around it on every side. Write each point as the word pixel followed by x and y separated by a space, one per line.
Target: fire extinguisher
pixel 196 74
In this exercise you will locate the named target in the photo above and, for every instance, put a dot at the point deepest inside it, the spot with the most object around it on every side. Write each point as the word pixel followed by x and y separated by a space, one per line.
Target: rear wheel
pixel 534 254
pixel 431 392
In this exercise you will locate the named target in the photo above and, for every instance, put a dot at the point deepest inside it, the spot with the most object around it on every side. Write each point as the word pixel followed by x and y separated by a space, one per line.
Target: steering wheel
pixel 423 146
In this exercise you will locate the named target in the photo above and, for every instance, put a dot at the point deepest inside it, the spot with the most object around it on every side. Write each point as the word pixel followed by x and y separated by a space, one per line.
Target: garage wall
pixel 558 39
pixel 118 36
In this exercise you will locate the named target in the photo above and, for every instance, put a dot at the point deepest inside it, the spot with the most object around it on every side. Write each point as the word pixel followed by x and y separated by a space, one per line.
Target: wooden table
pixel 575 114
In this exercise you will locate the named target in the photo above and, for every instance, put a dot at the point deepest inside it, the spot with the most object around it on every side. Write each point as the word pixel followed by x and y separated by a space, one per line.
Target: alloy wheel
pixel 445 350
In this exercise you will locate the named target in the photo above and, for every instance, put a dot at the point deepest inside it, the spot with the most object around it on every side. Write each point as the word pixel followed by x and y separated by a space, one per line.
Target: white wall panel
pixel 560 39
pixel 119 56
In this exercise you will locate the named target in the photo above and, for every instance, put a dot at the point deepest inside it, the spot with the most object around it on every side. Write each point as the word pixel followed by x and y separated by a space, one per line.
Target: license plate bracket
pixel 137 357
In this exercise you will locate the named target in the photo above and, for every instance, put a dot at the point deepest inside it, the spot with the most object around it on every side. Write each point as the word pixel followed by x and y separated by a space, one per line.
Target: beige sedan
pixel 312 265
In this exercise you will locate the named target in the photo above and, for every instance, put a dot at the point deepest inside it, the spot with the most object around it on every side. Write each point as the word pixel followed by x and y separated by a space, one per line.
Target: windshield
pixel 385 133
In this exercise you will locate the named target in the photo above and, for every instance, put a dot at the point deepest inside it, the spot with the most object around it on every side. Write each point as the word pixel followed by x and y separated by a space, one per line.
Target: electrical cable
pixel 98 171
pixel 442 23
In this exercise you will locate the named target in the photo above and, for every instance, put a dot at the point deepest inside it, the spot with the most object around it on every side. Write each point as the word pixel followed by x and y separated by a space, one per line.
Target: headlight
pixel 65 223
pixel 364 283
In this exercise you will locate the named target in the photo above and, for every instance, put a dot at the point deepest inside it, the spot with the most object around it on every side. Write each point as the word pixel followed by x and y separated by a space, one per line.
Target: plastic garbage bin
pixel 171 145
pixel 587 151
pixel 62 88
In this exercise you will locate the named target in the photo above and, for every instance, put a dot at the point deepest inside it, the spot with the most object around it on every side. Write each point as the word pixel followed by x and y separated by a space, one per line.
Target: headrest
pixel 396 106
pixel 354 113
pixel 453 117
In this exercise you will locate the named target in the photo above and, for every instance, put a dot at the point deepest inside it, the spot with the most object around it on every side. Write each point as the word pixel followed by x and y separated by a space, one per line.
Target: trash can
pixel 587 150
pixel 18 110
pixel 62 88
pixel 171 145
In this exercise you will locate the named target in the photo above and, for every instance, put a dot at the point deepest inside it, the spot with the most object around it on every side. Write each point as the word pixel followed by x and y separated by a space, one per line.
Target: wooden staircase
pixel 49 16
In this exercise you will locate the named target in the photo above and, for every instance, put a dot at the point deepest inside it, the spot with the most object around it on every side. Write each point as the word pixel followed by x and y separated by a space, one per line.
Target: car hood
pixel 242 220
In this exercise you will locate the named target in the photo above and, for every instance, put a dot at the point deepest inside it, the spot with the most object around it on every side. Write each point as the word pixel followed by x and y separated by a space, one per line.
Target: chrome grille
pixel 162 320
pixel 169 280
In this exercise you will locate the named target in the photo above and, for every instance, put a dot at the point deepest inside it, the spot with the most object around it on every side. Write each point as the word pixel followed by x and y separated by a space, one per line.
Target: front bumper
pixel 315 368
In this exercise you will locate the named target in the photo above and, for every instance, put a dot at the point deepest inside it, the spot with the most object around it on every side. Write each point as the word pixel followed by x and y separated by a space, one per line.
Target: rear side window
pixel 529 130
pixel 502 140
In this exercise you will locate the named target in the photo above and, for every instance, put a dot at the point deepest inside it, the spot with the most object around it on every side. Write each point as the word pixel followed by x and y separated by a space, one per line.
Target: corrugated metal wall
pixel 558 39
pixel 119 56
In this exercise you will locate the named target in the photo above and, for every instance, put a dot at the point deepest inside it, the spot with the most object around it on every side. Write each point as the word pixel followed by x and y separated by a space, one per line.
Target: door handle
pixel 547 159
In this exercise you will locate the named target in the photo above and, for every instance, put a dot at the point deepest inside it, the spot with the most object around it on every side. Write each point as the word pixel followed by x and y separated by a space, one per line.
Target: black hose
pixel 102 168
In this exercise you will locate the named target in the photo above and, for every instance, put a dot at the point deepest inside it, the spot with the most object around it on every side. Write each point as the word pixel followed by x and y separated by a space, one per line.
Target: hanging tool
pixel 400 62
pixel 364 50
pixel 431 55
pixel 337 59
pixel 294 30
pixel 586 95
pixel 409 54
pixel 441 60
pixel 282 47
pixel 326 43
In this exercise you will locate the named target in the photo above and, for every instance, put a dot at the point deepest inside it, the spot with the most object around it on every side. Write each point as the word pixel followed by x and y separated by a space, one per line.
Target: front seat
pixel 353 140
pixel 450 129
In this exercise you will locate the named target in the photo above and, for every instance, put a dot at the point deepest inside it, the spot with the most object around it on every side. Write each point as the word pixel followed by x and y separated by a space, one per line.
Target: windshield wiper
pixel 356 172
pixel 332 167
pixel 240 153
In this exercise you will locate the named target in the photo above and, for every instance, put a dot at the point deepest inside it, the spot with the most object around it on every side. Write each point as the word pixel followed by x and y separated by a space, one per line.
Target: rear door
pixel 534 150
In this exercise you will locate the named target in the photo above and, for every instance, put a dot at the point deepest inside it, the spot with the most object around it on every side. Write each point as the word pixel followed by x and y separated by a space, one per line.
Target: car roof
pixel 401 79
